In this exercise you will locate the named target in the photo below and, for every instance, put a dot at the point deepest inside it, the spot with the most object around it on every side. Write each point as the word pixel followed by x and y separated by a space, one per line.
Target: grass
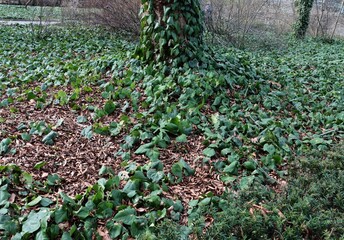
pixel 14 12
pixel 249 121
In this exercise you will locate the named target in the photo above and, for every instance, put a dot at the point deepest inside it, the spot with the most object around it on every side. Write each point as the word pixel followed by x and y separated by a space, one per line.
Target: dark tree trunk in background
pixel 303 10
pixel 171 32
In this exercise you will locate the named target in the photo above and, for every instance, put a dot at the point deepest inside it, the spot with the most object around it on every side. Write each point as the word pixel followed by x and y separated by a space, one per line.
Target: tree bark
pixel 171 31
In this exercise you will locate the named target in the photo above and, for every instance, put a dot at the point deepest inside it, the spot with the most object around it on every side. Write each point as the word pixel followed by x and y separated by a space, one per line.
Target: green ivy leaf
pixel 61 215
pixel 115 230
pixel 209 152
pixel 269 148
pixel 4 196
pixel 109 107
pixel 232 168
pixel 144 148
pixel 182 138
pixel 26 137
pixel 49 138
pixel 34 220
pixel 66 236
pixel 246 182
pixel 4 145
pixel 81 119
pixel 53 179
pixel 41 235
pixel 45 202
pixel 154 175
pixel 39 165
pixel 205 201
pixel 67 200
pixel 83 212
pixel 35 201
pixel 87 132
pixel 126 216
pixel 177 170
pixel 250 165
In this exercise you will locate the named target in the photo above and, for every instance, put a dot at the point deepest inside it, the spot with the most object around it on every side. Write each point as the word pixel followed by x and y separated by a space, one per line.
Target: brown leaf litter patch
pixel 74 158
pixel 77 160
pixel 205 178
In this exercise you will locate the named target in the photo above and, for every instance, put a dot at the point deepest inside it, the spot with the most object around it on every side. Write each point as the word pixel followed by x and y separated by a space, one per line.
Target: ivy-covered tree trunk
pixel 171 32
pixel 303 10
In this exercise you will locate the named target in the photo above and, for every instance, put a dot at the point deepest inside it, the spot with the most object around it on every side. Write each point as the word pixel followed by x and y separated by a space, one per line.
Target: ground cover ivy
pixel 255 112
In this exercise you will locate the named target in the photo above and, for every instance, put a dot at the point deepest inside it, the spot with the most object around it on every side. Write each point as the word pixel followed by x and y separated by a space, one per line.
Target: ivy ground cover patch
pixel 93 143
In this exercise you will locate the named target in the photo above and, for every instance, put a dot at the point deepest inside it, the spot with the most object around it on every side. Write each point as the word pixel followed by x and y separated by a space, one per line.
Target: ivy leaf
pixel 45 202
pixel 81 119
pixel 232 168
pixel 66 199
pixel 226 151
pixel 205 201
pixel 181 139
pixel 209 152
pixel 66 236
pixel 317 141
pixel 109 107
pixel 35 201
pixel 4 145
pixel 87 132
pixel 115 230
pixel 41 235
pixel 188 169
pixel 49 138
pixel 153 154
pixel 144 148
pixel 154 175
pixel 126 216
pixel 39 165
pixel 26 137
pixel 4 196
pixel 60 215
pixel 53 180
pixel 83 212
pixel 246 182
pixel 34 220
pixel 269 148
pixel 250 165
pixel 177 170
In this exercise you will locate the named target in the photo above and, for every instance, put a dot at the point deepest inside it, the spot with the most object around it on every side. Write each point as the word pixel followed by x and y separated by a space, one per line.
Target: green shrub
pixel 311 206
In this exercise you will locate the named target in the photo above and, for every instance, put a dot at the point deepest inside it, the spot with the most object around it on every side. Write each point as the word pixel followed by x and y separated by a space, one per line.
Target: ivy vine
pixel 303 9
pixel 171 32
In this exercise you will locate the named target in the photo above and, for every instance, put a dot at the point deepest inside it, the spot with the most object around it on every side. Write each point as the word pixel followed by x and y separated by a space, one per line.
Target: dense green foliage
pixel 311 207
pixel 171 32
pixel 257 112
pixel 303 9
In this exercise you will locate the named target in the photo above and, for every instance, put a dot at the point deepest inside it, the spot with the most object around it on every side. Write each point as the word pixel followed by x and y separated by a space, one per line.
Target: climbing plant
pixel 171 32
pixel 303 10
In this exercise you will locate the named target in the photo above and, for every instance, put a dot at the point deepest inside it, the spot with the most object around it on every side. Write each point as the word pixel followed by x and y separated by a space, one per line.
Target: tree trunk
pixel 171 32
pixel 303 10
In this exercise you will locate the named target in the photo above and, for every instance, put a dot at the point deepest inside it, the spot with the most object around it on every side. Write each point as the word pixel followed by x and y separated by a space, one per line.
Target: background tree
pixel 171 31
pixel 303 10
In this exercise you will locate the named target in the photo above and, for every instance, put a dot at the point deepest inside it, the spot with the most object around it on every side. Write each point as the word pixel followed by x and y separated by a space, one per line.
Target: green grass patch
pixel 32 13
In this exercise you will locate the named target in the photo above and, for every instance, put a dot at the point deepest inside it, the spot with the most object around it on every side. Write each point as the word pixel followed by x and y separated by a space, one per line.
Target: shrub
pixel 117 14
